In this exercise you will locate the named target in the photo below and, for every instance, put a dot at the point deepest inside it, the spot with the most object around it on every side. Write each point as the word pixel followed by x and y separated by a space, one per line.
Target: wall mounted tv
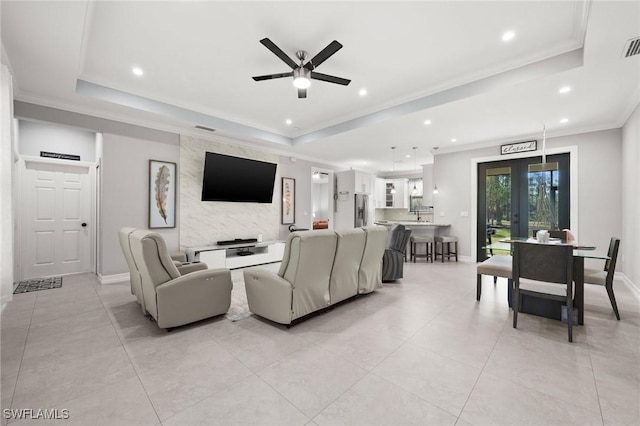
pixel 228 178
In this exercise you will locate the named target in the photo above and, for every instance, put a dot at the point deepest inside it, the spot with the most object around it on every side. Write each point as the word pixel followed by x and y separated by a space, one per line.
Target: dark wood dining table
pixel 544 307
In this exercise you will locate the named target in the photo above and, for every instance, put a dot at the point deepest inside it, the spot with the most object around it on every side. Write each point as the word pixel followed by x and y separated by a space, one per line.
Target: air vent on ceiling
pixel 631 47
pixel 208 129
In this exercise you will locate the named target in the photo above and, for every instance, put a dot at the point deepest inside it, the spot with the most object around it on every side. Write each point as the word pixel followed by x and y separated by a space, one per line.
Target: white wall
pixel 599 161
pixel 630 238
pixel 37 136
pixel 6 186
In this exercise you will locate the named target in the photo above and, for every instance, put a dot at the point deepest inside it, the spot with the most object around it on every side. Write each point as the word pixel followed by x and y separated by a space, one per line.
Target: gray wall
pixel 629 253
pixel 126 151
pixel 125 194
pixel 599 160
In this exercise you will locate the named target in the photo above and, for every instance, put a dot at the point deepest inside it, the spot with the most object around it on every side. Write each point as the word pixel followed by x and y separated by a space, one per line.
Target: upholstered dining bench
pixel 497 266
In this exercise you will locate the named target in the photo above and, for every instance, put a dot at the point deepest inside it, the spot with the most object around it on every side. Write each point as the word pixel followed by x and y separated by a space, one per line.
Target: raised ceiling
pixel 438 61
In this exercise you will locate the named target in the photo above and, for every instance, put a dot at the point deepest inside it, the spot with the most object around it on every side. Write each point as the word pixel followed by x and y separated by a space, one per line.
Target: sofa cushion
pixel 310 259
pixel 369 276
pixel 346 266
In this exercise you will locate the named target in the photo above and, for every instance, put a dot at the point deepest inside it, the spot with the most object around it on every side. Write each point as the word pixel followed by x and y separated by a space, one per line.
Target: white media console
pixel 233 256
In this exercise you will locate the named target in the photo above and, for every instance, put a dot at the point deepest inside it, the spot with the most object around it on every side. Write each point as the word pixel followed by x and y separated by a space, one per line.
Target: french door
pixel 520 196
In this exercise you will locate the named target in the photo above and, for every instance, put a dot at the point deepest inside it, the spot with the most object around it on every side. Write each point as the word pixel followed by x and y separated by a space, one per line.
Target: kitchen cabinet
pixel 380 193
pixel 401 197
pixel 364 182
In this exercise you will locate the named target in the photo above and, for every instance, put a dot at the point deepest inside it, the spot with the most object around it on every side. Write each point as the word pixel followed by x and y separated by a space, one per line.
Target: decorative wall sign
pixel 59 156
pixel 162 194
pixel 288 201
pixel 512 148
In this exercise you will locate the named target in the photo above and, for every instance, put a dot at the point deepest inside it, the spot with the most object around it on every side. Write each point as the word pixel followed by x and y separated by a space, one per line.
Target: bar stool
pixel 428 247
pixel 448 240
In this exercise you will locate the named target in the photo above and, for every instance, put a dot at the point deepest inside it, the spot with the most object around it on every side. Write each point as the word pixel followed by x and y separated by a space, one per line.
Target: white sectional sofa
pixel 320 268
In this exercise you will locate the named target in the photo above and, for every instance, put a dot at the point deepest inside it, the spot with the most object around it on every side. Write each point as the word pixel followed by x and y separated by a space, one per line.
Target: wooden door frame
pixel 573 185
pixel 19 252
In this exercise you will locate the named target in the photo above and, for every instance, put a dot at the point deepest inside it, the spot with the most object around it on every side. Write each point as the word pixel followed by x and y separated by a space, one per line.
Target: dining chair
pixel 605 277
pixel 489 242
pixel 543 271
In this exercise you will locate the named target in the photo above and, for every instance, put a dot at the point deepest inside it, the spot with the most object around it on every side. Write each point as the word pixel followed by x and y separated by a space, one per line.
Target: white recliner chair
pixel 179 259
pixel 173 299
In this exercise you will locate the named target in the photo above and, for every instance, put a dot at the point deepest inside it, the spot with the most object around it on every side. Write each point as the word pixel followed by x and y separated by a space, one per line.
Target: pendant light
pixel 393 167
pixel 414 191
pixel 544 143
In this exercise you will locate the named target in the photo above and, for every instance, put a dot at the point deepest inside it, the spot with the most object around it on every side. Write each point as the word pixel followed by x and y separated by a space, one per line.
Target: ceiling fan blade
pixel 329 78
pixel 272 76
pixel 279 53
pixel 324 54
pixel 302 93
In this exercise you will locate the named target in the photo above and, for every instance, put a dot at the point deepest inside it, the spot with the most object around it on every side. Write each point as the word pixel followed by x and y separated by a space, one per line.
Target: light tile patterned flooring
pixel 419 351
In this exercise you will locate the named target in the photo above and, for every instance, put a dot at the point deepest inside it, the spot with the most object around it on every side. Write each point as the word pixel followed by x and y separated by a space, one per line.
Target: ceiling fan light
pixel 301 78
pixel 301 82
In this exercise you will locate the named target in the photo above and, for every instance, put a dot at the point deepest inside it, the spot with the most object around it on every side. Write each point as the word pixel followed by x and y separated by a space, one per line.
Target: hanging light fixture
pixel 435 189
pixel 544 143
pixel 414 191
pixel 393 167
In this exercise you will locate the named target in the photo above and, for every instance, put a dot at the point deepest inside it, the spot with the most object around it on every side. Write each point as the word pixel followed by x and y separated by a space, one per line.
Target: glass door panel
pixel 498 206
pixel 543 197
pixel 519 197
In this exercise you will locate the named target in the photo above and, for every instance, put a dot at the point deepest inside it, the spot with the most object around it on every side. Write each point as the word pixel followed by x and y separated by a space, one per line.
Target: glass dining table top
pixel 580 250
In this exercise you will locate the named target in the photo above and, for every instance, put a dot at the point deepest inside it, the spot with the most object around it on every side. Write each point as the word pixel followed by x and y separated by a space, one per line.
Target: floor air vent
pixel 631 47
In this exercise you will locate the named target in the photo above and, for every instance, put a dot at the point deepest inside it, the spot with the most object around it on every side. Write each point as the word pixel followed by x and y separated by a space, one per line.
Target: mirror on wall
pixel 321 198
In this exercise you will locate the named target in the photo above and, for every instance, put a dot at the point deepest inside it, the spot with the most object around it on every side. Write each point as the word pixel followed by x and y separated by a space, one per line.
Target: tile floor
pixel 419 351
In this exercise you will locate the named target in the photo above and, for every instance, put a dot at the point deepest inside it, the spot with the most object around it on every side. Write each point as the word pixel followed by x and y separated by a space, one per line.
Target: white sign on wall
pixel 513 148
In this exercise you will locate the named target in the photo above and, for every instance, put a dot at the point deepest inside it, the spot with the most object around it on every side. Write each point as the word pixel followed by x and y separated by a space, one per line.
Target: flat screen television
pixel 229 178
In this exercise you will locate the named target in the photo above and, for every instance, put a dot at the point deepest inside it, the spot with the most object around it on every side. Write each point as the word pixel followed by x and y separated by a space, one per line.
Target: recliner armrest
pixel 269 295
pixel 193 297
pixel 190 267
pixel 180 257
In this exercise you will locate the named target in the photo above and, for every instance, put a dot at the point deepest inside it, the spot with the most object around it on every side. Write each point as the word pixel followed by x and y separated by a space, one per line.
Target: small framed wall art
pixel 162 194
pixel 288 201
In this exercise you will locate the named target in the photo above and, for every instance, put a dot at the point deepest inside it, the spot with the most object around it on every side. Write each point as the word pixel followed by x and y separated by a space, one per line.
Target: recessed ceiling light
pixel 408 155
pixel 288 121
pixel 508 36
pixel 564 120
pixel 454 140
pixel 564 89
pixel 362 92
pixel 137 71
pixel 427 122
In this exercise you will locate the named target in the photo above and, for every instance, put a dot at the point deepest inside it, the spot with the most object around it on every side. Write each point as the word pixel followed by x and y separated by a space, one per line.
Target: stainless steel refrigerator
pixel 361 210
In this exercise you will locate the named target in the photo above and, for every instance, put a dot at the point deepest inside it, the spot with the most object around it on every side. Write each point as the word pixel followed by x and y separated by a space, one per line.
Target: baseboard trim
pixel 635 289
pixel 112 279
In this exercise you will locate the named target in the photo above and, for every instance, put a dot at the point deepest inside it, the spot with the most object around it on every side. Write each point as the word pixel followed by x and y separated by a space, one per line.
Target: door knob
pixel 84 225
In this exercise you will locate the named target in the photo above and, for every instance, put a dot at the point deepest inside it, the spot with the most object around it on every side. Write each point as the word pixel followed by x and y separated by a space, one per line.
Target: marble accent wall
pixel 205 222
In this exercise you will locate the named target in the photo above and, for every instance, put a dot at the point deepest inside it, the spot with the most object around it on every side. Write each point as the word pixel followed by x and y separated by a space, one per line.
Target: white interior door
pixel 56 233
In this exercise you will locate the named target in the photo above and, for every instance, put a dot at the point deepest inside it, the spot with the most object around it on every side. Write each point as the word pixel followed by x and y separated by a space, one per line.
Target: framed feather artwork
pixel 162 194
pixel 288 201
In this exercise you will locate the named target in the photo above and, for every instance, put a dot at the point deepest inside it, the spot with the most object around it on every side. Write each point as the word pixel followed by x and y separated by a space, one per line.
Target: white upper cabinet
pixel 364 182
pixel 385 197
